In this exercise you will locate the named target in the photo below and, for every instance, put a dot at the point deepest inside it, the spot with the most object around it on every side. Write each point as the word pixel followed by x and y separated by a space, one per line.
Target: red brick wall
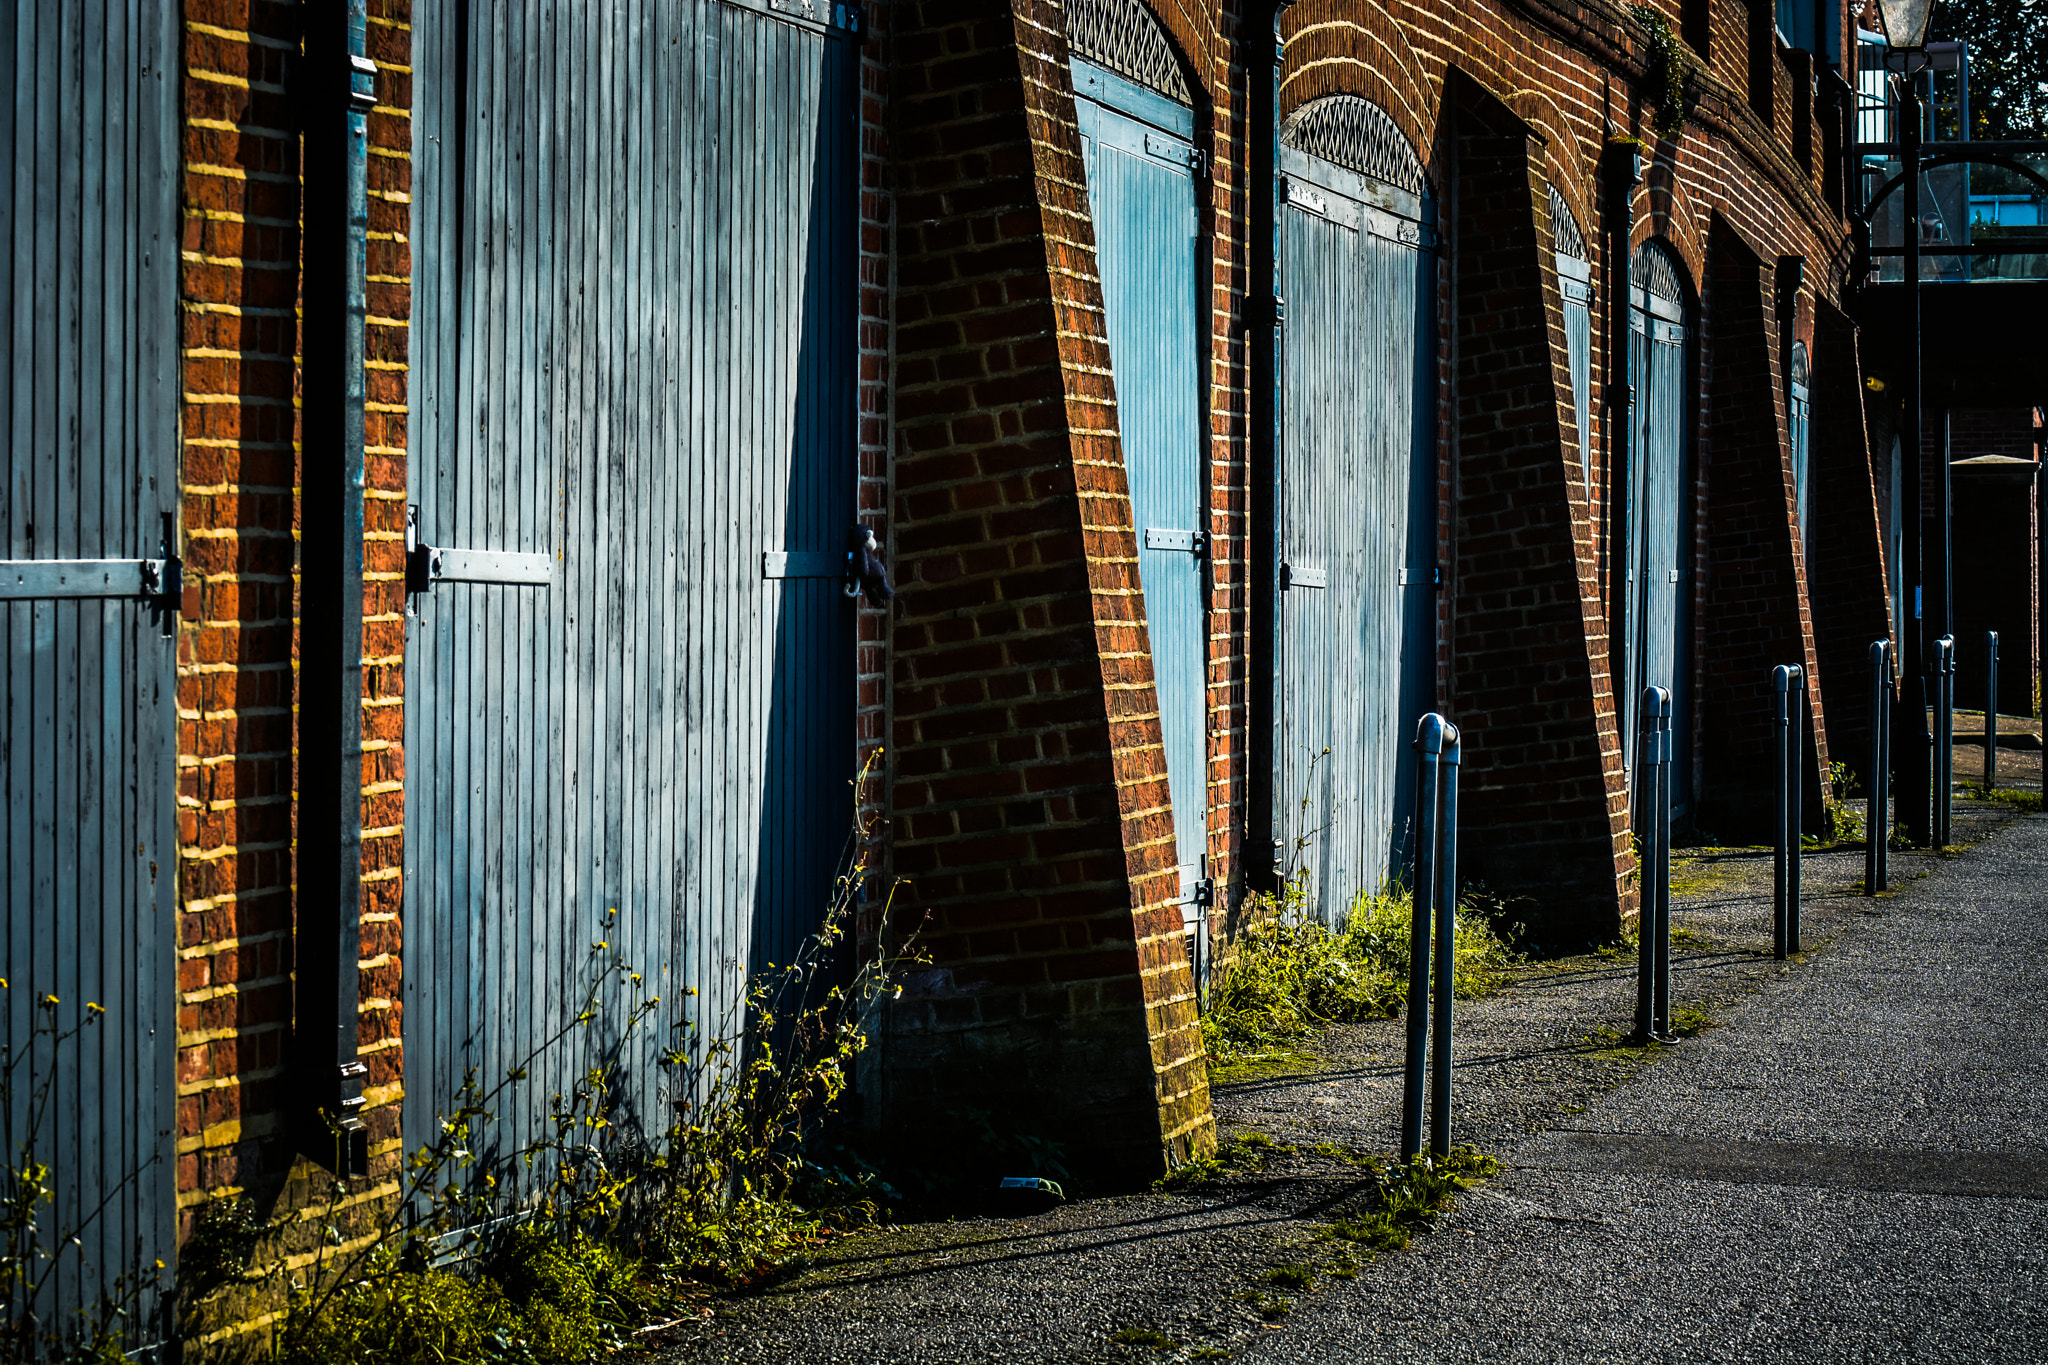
pixel 239 290
pixel 240 250
pixel 1030 808
pixel 1754 611
pixel 1544 818
pixel 1845 559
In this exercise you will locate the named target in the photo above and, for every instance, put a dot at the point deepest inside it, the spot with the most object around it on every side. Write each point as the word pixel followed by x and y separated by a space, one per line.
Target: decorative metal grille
pixel 1357 134
pixel 1799 363
pixel 1120 35
pixel 1655 271
pixel 1564 229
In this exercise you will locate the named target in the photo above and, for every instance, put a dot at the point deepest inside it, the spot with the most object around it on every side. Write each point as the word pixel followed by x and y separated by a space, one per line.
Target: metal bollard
pixel 1788 681
pixel 1435 900
pixel 1990 710
pixel 1944 737
pixel 1653 964
pixel 1877 784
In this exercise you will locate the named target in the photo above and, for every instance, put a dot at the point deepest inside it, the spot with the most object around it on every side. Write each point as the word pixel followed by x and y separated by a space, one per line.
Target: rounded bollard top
pixel 1657 702
pixel 1435 735
pixel 1783 676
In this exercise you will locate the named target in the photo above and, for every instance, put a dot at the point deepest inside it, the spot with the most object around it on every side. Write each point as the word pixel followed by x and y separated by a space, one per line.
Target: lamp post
pixel 1905 24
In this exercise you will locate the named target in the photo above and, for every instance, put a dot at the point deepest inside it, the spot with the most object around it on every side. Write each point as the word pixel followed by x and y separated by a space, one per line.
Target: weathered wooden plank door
pixel 1659 558
pixel 1355 497
pixel 633 414
pixel 90 134
pixel 1139 151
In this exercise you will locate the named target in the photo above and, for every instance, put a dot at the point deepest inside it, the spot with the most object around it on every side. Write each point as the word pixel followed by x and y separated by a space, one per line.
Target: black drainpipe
pixel 339 89
pixel 1264 315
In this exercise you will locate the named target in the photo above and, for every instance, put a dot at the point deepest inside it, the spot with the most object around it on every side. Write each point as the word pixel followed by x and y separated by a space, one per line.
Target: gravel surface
pixel 1843 1165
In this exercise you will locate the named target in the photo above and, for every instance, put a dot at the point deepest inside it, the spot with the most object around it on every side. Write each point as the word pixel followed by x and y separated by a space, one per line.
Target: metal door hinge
pixel 1265 310
pixel 426 565
pixel 362 84
pixel 1422 575
pixel 159 582
pixel 1295 576
pixel 1162 538
pixel 803 564
pixel 1204 893
pixel 1178 152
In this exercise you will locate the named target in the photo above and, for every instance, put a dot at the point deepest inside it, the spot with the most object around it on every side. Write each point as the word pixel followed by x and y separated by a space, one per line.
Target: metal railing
pixel 1877 782
pixel 1436 901
pixel 1944 737
pixel 1788 683
pixel 1653 812
pixel 1990 710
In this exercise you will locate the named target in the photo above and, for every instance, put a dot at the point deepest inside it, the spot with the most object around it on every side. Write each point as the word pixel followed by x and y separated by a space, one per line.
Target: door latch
pixel 426 565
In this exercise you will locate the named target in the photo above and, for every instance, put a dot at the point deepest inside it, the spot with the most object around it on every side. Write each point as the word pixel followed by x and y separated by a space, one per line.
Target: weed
pixel 1689 938
pixel 1407 1199
pixel 1299 1278
pixel 566 1232
pixel 1687 1022
pixel 1844 825
pixel 35 1251
pixel 1271 1307
pixel 2026 802
pixel 1290 975
pixel 1263 1065
pixel 1143 1336
pixel 1666 70
pixel 1246 1151
pixel 1208 1353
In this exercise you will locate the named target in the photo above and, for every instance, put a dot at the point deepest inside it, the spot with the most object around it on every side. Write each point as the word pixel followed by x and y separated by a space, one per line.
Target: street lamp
pixel 1905 24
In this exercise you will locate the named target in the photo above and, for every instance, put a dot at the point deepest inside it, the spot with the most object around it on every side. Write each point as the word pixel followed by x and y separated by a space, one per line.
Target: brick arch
pixel 1664 211
pixel 1354 47
pixel 1563 159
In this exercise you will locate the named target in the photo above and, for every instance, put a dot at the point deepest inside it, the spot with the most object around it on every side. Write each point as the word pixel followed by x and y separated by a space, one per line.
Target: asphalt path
pixel 1854 1167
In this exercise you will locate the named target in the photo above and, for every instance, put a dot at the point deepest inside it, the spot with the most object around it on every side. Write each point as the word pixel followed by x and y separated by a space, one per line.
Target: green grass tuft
pixel 1290 976
pixel 1143 1336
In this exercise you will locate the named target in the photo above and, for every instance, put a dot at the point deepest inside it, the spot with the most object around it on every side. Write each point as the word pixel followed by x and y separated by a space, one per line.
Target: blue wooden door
pixel 1800 414
pixel 1659 558
pixel 87 727
pixel 631 686
pixel 1141 168
pixel 1355 501
pixel 1575 283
